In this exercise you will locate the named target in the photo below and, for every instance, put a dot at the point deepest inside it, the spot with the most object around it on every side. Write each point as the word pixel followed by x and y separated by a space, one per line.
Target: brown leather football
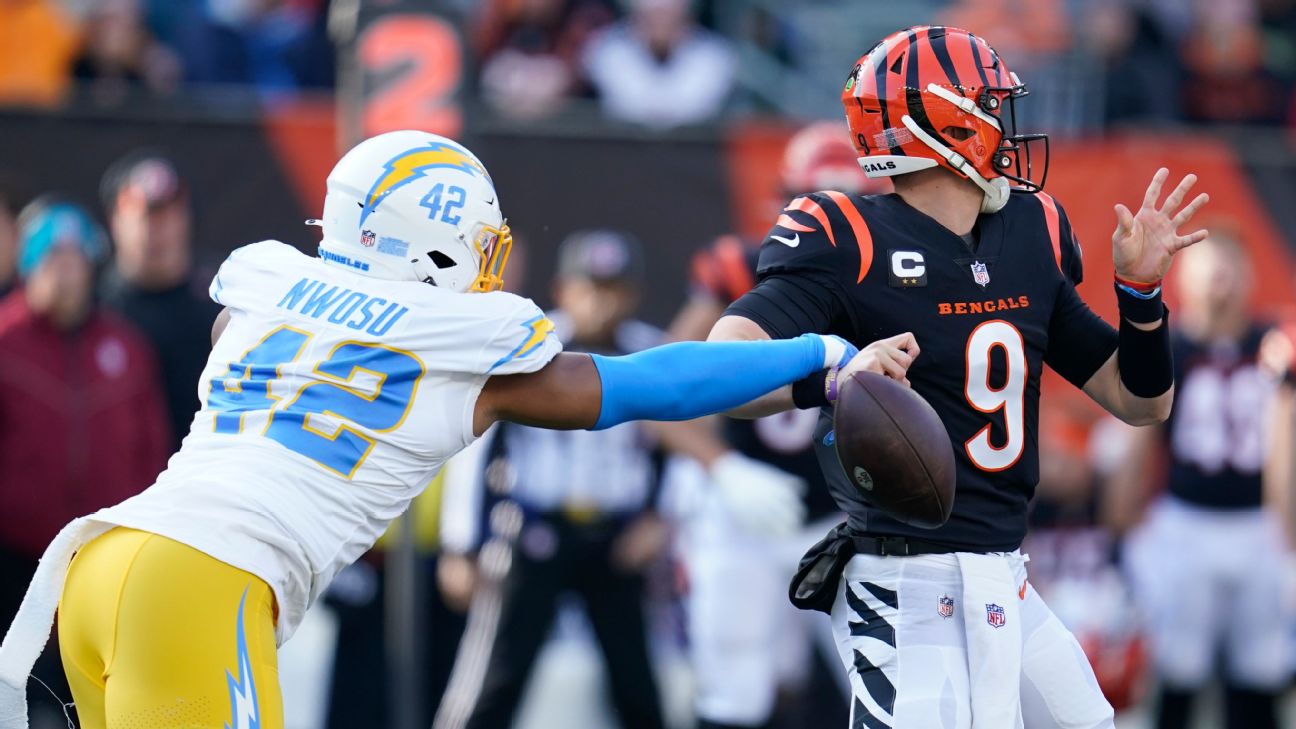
pixel 894 447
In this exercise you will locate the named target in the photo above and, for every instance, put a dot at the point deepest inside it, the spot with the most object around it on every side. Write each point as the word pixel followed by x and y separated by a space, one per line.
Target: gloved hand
pixel 761 497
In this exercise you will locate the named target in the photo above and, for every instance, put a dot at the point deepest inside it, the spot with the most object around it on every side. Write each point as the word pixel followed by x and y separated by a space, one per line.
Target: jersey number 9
pixel 991 335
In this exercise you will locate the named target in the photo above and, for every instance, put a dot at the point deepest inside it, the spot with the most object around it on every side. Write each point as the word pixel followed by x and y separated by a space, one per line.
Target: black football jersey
pixel 724 271
pixel 988 314
pixel 1216 432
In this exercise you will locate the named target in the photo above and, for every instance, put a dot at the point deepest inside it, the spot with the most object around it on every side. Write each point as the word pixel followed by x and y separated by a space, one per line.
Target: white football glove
pixel 760 497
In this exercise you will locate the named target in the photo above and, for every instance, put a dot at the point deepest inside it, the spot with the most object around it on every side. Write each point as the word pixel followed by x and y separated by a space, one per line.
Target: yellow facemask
pixel 493 246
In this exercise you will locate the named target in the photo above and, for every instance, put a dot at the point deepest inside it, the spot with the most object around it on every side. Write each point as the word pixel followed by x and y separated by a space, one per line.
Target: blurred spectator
pixel 166 17
pixel 1140 66
pixel 150 282
pixel 659 67
pixel 81 423
pixel 8 237
pixel 1224 54
pixel 119 52
pixel 531 52
pixel 1022 29
pixel 1208 611
pixel 1278 26
pixel 560 512
pixel 38 41
pixel 277 46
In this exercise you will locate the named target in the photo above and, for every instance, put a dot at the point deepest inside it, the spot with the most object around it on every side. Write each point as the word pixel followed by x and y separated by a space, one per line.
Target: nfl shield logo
pixel 995 615
pixel 980 274
pixel 945 606
pixel 367 239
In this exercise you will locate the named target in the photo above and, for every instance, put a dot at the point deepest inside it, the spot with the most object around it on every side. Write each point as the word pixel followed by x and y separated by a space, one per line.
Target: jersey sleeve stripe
pixel 863 236
pixel 1051 220
pixel 785 222
pixel 806 205
pixel 538 328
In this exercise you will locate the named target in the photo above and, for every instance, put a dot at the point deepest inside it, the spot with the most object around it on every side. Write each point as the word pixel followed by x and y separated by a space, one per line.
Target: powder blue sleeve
pixel 689 380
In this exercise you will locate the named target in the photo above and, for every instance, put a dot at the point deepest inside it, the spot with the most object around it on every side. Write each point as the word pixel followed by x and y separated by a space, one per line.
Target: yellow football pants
pixel 156 634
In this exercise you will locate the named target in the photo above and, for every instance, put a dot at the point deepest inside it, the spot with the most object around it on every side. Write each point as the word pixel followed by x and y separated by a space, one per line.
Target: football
pixel 894 448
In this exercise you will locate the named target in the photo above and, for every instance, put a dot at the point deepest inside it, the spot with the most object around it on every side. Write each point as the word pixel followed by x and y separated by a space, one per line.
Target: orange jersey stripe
pixel 863 236
pixel 806 205
pixel 1051 220
pixel 785 222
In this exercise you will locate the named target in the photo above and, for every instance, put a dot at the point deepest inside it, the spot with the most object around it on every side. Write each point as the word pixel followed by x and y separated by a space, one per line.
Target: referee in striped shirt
pixel 561 512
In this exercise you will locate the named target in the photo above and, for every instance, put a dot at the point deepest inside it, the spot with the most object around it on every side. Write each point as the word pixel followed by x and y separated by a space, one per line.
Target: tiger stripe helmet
pixel 933 96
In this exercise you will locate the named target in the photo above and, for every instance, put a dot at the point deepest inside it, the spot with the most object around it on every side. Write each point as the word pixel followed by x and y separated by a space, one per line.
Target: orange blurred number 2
pixel 418 60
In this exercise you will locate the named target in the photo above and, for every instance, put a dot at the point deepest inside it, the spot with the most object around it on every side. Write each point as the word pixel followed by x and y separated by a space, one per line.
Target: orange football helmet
pixel 933 96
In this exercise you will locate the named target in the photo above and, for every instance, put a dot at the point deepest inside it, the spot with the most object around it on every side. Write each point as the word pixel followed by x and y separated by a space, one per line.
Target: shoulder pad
pixel 524 341
pixel 814 231
pixel 242 279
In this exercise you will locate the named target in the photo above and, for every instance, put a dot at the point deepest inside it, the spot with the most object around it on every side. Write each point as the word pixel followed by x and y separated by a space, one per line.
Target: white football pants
pixel 959 641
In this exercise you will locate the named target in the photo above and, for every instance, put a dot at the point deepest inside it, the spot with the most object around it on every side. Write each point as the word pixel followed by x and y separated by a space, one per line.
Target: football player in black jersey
pixel 940 627
pixel 734 569
pixel 1208 563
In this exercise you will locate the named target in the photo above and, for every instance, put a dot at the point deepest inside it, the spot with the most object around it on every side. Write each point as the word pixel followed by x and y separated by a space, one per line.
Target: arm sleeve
pixel 688 380
pixel 1079 341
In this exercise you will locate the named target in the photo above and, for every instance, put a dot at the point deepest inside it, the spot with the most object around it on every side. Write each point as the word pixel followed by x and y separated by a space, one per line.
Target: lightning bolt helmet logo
pixel 413 164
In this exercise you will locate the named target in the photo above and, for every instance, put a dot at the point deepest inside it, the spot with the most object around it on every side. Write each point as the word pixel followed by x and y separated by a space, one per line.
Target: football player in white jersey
pixel 336 387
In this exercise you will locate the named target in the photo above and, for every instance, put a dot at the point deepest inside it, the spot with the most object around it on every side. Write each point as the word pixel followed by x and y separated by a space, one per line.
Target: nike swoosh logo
pixel 792 242
pixel 1021 594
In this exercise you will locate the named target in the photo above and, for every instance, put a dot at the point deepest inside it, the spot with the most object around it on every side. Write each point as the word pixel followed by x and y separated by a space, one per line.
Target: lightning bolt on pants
pixel 157 634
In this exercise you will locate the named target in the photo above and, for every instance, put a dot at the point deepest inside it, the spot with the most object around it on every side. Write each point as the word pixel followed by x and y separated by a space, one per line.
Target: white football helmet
pixel 414 206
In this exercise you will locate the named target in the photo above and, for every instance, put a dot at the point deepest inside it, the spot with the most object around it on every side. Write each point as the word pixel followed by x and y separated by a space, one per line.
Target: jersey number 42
pixel 356 385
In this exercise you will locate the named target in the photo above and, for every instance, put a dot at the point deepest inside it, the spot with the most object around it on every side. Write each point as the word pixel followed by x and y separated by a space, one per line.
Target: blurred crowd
pixel 666 62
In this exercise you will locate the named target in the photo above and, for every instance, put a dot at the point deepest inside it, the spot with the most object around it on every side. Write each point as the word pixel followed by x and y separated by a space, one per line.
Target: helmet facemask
pixel 1013 147
pixel 493 246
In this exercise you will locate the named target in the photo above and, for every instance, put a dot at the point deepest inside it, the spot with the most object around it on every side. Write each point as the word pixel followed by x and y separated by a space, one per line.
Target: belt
pixel 903 546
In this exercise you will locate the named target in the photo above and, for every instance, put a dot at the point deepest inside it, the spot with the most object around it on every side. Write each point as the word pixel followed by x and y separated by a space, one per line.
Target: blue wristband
pixel 689 380
pixel 1145 295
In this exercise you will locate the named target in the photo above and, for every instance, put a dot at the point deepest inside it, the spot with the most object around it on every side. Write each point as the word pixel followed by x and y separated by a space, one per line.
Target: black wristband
pixel 1144 358
pixel 811 392
pixel 1138 309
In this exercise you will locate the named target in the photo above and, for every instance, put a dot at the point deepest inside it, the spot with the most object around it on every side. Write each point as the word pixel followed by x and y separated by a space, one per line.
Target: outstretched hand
pixel 1145 242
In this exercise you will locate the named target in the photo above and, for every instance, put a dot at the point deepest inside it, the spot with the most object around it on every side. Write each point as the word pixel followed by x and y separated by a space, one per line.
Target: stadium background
pixel 1124 86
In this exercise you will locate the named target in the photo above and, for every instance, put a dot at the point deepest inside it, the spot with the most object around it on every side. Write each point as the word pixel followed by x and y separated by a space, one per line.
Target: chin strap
pixel 995 191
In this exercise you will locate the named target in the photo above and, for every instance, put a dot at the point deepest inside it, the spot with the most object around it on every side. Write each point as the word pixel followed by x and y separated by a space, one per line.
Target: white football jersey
pixel 329 402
